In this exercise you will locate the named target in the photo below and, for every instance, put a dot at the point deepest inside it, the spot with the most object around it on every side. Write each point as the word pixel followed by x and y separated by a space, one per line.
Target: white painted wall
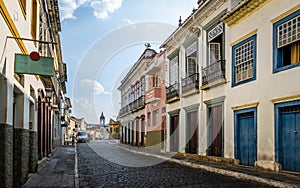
pixel 267 85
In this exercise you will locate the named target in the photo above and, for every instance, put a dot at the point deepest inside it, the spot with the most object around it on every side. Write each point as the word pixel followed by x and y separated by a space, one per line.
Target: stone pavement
pixel 276 179
pixel 58 170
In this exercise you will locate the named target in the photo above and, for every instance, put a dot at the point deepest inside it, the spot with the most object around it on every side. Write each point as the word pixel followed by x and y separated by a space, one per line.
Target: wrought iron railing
pixel 172 91
pixel 124 110
pixel 213 72
pixel 189 83
pixel 138 103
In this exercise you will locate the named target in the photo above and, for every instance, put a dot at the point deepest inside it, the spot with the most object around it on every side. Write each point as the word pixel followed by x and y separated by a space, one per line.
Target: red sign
pixel 35 56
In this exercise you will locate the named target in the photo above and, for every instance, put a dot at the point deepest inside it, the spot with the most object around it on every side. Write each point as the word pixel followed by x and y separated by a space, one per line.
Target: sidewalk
pixel 277 179
pixel 58 170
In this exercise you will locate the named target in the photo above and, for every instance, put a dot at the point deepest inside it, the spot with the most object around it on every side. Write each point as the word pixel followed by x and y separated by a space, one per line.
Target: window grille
pixel 288 32
pixel 243 58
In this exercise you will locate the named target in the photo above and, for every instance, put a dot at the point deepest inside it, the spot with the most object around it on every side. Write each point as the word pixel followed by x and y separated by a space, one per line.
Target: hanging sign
pixel 34 64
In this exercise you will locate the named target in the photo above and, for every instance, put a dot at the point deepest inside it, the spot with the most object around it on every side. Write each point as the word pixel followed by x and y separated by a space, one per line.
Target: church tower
pixel 102 120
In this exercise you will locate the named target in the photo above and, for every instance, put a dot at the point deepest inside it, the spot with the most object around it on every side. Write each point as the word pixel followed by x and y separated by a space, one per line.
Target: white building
pixel 30 102
pixel 132 113
pixel 232 83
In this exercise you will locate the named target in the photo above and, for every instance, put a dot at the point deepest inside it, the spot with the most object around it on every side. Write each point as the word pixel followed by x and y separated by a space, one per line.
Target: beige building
pixel 132 114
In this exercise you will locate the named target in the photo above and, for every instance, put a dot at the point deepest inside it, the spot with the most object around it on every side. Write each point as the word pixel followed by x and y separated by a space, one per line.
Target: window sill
pixel 243 82
pixel 276 70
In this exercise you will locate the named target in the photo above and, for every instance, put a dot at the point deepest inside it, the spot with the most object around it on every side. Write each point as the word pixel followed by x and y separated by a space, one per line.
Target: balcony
pixel 124 110
pixel 172 93
pixel 152 67
pixel 137 104
pixel 153 95
pixel 213 75
pixel 190 84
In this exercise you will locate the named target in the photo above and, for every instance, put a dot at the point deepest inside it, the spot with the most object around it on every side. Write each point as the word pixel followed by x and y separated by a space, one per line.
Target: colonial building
pixel 156 101
pixel 232 83
pixel 196 81
pixel 132 113
pixel 31 96
pixel 114 129
pixel 263 97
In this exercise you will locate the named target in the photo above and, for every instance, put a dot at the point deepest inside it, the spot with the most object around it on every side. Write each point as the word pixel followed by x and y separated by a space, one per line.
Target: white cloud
pixel 102 8
pixel 83 102
pixel 94 86
pixel 67 9
pixel 129 21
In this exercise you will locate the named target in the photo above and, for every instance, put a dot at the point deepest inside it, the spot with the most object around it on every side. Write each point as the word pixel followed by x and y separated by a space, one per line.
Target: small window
pixel 192 66
pixel 244 61
pixel 174 70
pixel 157 80
pixel 214 52
pixel 149 119
pixel 155 117
pixel 286 46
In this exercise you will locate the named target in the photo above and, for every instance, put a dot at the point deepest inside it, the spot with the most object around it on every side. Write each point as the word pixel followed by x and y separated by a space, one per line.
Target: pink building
pixel 155 101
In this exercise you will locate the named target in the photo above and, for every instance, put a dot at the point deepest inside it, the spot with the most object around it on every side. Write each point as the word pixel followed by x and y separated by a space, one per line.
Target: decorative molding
pixel 242 11
pixel 215 100
pixel 194 21
pixel 244 37
pixel 192 107
pixel 281 16
pixel 244 106
pixel 286 99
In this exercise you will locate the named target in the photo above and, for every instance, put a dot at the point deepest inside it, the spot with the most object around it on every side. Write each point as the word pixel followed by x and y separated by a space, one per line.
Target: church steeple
pixel 102 120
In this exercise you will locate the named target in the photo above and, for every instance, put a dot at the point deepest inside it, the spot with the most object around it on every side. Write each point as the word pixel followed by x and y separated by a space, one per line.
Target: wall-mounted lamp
pixel 49 94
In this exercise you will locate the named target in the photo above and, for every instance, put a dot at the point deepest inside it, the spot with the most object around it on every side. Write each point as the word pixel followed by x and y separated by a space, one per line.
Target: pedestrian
pixel 73 139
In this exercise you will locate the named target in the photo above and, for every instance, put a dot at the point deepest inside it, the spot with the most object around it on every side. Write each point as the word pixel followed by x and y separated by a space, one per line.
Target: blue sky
pixel 91 37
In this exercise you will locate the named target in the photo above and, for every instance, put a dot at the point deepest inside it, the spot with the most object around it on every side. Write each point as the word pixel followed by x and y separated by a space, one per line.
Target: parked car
pixel 82 136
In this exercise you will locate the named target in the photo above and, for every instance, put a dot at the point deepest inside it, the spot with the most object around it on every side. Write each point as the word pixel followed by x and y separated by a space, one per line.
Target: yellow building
pixel 114 128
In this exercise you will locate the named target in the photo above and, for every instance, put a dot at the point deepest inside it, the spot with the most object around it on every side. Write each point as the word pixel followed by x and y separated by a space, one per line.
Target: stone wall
pixel 6 155
pixel 33 156
pixel 21 156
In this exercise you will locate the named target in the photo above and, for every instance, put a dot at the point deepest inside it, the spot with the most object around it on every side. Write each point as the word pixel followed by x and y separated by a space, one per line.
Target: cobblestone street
pixel 106 164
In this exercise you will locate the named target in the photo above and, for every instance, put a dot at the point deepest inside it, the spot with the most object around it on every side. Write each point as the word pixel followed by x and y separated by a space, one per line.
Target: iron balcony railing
pixel 172 91
pixel 189 83
pixel 124 110
pixel 141 101
pixel 138 103
pixel 213 72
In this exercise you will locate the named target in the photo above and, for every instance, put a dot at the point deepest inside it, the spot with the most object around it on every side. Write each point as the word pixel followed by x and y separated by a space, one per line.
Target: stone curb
pixel 76 181
pixel 230 173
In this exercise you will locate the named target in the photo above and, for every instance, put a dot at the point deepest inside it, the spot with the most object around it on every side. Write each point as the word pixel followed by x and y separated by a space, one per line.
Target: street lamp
pixel 49 93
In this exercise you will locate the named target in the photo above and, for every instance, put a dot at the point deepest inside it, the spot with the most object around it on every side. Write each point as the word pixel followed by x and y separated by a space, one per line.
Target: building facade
pixel 263 95
pixel 30 98
pixel 132 114
pixel 114 129
pixel 155 98
pixel 231 83
pixel 196 80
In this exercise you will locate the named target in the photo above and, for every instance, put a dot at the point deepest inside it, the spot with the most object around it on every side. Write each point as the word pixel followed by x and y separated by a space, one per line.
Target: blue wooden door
pixel 246 143
pixel 289 147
